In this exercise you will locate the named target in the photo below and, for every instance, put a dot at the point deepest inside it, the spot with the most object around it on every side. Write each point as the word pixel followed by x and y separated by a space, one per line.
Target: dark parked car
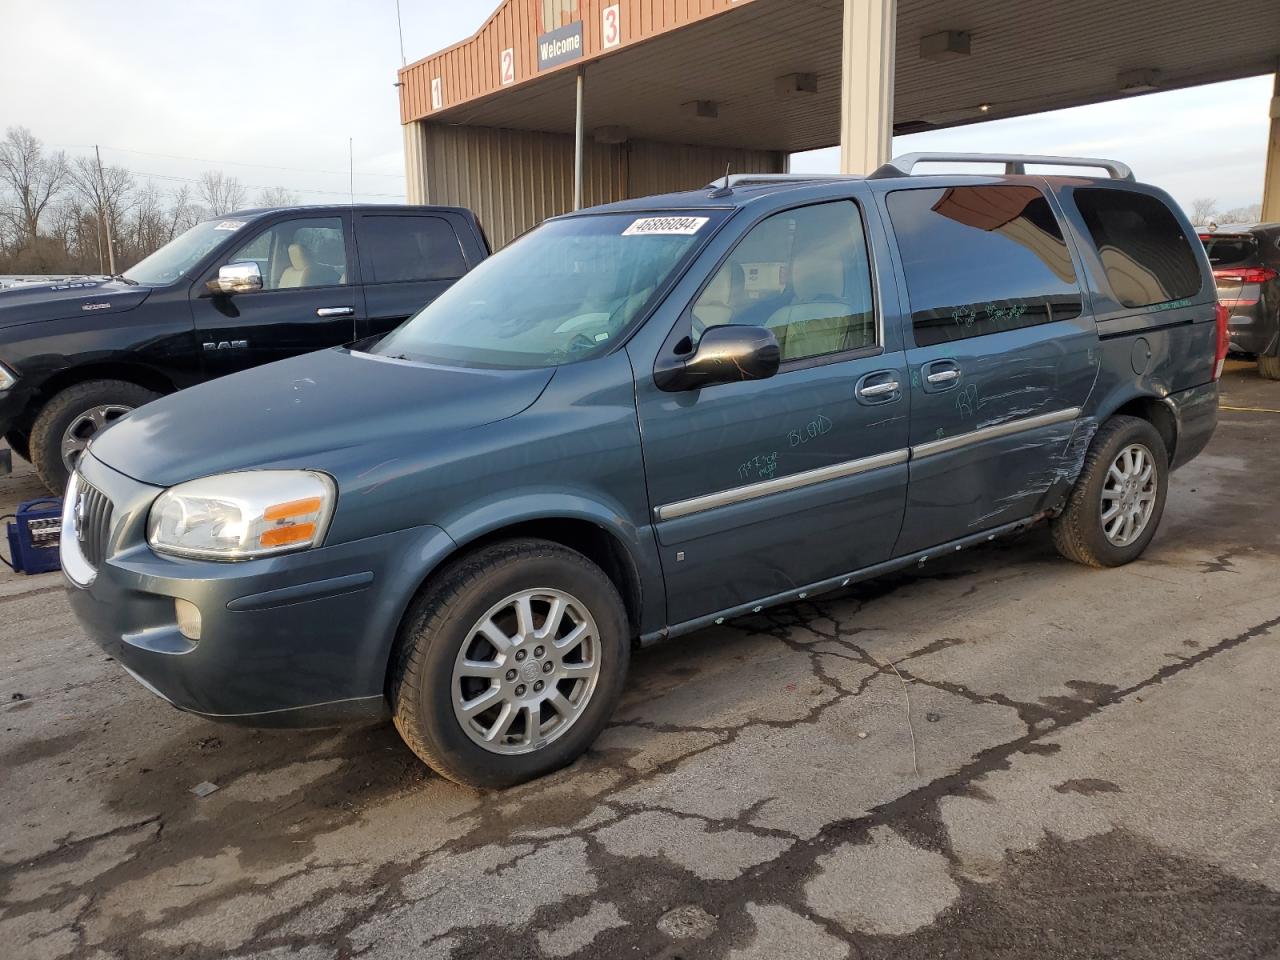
pixel 640 420
pixel 1246 267
pixel 231 293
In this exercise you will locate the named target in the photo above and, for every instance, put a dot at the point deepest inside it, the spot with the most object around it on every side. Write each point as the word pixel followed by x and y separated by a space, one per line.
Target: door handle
pixel 875 390
pixel 336 312
pixel 940 375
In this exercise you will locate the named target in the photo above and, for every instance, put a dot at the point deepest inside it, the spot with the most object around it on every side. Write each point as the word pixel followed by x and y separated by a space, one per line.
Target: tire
pixel 68 408
pixel 19 443
pixel 1269 367
pixel 1079 532
pixel 443 622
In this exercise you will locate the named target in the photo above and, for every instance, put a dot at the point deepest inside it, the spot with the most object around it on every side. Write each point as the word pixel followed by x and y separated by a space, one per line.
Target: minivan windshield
pixel 176 258
pixel 565 292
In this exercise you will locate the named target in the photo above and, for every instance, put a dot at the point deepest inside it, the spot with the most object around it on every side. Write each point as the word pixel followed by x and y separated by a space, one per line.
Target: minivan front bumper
pixel 300 639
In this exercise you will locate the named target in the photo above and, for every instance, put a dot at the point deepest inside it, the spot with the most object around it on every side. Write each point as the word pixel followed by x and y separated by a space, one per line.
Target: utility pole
pixel 106 212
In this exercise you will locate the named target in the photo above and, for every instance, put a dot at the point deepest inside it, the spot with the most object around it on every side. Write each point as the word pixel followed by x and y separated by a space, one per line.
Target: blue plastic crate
pixel 34 534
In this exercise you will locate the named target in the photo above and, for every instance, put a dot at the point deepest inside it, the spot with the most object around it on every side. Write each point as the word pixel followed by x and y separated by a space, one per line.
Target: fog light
pixel 188 618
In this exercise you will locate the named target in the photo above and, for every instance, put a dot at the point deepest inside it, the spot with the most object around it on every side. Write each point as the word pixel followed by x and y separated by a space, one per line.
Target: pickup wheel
pixel 510 663
pixel 19 443
pixel 1118 500
pixel 75 416
pixel 1269 367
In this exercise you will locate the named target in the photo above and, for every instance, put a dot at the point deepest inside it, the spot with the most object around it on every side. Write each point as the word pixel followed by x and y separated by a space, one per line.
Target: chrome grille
pixel 93 523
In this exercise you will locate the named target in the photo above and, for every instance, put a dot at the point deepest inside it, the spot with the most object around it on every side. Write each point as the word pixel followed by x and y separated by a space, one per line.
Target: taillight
pixel 1224 341
pixel 1245 274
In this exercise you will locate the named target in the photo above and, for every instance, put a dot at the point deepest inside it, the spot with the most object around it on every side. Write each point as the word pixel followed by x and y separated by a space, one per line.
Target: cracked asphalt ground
pixel 1094 773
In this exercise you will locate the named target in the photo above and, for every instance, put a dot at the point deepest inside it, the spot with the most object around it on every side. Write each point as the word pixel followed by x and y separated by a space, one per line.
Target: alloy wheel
pixel 1129 495
pixel 85 427
pixel 526 671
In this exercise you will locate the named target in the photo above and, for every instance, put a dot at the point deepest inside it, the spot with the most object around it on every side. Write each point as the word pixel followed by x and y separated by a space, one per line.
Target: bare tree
pixel 219 193
pixel 34 177
pixel 106 194
pixel 184 213
pixel 1250 214
pixel 1203 209
pixel 277 197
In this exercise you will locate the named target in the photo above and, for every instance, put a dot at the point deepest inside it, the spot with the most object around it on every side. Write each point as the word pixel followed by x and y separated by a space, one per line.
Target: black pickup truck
pixel 230 293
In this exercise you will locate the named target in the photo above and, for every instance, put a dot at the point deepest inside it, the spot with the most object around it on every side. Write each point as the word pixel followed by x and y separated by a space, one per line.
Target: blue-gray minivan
pixel 639 420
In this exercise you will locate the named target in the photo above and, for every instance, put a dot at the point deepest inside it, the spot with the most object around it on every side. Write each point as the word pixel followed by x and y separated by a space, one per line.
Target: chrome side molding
pixel 851 468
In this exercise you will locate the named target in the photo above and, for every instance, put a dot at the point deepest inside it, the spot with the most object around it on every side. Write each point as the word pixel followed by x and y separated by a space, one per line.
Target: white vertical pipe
pixel 867 76
pixel 579 144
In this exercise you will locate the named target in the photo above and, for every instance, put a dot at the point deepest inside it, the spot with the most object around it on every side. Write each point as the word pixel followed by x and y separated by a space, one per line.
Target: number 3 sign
pixel 611 22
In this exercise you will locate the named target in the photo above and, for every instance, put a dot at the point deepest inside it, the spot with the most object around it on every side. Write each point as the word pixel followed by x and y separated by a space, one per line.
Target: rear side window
pixel 1147 257
pixel 982 260
pixel 1231 251
pixel 398 249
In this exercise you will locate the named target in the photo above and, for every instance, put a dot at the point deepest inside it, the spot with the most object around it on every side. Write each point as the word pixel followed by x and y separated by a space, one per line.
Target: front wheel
pixel 1118 500
pixel 510 664
pixel 75 416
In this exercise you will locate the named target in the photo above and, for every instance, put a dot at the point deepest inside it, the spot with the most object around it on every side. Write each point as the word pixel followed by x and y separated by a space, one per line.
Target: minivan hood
pixel 32 302
pixel 295 411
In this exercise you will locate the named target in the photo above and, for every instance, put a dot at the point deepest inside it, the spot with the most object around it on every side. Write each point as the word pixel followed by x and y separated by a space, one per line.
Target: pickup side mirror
pixel 236 278
pixel 726 354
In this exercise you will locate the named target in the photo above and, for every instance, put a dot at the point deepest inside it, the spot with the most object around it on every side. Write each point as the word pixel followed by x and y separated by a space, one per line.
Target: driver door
pixel 762 488
pixel 308 299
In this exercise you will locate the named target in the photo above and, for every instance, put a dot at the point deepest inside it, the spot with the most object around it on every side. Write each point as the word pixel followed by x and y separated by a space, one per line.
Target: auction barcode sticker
pixel 230 225
pixel 666 226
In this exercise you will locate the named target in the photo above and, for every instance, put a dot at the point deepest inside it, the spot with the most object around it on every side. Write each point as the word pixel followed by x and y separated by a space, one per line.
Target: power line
pixel 229 163
pixel 256 186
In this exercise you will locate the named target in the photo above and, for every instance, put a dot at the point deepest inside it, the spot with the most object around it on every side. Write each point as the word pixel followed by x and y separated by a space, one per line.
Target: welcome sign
pixel 560 46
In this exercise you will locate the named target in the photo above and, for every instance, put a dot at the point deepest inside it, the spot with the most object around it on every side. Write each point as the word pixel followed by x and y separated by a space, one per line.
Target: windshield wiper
pixel 121 277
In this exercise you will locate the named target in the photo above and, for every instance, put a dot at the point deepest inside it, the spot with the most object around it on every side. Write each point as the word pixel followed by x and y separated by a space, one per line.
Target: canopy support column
pixel 1271 192
pixel 866 96
pixel 579 142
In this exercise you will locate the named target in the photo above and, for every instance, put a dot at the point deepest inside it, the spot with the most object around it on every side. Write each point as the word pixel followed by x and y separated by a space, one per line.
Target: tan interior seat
pixel 301 271
pixel 720 300
pixel 819 321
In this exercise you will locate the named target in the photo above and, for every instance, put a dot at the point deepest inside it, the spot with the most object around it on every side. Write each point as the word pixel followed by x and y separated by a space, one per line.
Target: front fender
pixel 490 516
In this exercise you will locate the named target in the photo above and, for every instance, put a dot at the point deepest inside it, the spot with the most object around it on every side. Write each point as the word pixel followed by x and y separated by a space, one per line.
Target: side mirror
pixel 726 354
pixel 236 278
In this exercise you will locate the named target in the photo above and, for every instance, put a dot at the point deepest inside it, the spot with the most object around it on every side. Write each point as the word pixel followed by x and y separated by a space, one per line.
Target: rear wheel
pixel 1118 500
pixel 75 416
pixel 1269 367
pixel 510 664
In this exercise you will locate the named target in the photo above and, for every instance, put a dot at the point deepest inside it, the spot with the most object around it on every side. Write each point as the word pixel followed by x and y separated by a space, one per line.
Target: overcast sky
pixel 271 92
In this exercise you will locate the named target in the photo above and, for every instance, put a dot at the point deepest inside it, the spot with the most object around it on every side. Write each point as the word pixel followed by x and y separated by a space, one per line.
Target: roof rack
pixel 746 179
pixel 1014 163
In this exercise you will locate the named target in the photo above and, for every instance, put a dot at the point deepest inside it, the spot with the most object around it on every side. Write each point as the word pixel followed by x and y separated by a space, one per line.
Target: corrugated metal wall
pixel 473 68
pixel 668 167
pixel 515 179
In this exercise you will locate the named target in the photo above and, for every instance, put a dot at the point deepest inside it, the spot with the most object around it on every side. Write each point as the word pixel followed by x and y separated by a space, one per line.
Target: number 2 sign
pixel 611 24
pixel 508 66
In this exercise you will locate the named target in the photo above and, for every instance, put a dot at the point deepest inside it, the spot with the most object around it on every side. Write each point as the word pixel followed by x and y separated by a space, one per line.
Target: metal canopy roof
pixel 1027 56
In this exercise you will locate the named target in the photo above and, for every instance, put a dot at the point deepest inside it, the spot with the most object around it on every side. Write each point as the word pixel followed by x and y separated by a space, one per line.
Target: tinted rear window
pixel 982 260
pixel 395 249
pixel 1148 258
pixel 1231 251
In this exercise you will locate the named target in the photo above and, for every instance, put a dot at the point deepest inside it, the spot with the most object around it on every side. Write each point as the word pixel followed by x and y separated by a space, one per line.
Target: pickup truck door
pixel 1002 352
pixel 309 300
pixel 761 488
pixel 406 261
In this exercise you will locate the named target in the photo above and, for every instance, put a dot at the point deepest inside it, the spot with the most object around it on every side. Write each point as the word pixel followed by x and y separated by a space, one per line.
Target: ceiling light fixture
pixel 947 45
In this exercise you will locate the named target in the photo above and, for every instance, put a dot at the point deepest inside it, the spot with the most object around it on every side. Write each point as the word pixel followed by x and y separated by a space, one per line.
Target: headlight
pixel 7 377
pixel 240 516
